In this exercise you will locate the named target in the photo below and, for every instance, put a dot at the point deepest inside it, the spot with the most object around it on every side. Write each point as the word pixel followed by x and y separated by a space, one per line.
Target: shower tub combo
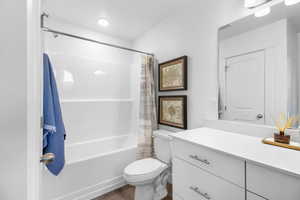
pixel 92 168
pixel 99 93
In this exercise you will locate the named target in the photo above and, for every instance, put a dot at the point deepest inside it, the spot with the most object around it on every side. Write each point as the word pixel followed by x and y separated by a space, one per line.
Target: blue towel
pixel 53 129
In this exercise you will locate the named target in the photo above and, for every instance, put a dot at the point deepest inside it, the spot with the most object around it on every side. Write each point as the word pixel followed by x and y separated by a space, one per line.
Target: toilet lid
pixel 146 168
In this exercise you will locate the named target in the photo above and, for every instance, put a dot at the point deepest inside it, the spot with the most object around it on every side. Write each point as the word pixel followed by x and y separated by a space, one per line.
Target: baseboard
pixel 94 191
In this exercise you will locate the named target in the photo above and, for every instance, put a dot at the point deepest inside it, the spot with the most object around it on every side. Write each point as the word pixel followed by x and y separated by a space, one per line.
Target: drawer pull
pixel 196 189
pixel 195 157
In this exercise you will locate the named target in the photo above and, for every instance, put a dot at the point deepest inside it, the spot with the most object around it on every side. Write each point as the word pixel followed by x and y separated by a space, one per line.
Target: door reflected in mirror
pixel 259 67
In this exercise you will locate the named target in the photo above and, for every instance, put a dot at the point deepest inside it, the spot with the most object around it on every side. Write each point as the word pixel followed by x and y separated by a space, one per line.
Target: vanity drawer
pixel 193 183
pixel 272 184
pixel 220 164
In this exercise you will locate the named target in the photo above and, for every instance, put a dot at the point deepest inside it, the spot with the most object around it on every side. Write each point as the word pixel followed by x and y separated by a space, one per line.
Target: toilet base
pixel 144 192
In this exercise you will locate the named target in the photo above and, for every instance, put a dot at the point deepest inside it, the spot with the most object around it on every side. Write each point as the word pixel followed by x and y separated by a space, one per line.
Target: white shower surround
pixel 98 85
pixel 98 89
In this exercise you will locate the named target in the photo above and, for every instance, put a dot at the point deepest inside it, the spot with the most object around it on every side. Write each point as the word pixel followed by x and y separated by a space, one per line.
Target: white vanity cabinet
pixel 193 183
pixel 228 167
pixel 272 184
pixel 208 167
pixel 200 173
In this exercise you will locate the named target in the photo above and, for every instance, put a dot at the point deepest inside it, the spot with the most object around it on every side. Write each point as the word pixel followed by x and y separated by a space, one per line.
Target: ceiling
pixel 128 18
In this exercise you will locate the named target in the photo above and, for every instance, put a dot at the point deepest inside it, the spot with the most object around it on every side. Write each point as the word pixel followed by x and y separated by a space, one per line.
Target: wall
pixel 13 87
pixel 95 83
pixel 194 32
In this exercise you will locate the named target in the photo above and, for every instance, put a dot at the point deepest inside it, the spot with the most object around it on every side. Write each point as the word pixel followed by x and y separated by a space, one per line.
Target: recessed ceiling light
pixel 291 2
pixel 263 12
pixel 103 22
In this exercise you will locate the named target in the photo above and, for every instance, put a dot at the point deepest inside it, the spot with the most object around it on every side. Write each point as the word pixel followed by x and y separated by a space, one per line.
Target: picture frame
pixel 172 75
pixel 173 111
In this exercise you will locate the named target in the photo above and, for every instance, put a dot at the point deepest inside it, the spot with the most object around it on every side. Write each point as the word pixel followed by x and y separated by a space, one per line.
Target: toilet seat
pixel 143 170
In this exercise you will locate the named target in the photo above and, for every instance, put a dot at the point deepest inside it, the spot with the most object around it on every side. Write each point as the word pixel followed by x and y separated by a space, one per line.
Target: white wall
pixel 94 81
pixel 13 87
pixel 194 32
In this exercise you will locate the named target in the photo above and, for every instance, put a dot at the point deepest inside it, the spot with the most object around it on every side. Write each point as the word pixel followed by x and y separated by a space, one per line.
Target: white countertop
pixel 245 147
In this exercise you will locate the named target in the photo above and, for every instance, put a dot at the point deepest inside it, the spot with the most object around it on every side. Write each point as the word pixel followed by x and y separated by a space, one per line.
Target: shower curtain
pixel 147 115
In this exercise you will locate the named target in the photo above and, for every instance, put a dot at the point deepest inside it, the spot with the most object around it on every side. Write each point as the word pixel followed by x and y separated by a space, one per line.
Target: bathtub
pixel 92 168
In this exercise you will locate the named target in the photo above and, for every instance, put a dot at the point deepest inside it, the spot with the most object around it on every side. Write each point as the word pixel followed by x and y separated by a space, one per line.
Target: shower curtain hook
pixel 43 15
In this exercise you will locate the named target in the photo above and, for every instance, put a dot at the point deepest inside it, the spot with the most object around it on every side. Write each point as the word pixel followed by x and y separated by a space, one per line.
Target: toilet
pixel 150 175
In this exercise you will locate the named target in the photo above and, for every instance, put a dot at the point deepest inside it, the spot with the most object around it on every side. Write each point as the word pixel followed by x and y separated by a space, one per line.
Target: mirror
pixel 259 60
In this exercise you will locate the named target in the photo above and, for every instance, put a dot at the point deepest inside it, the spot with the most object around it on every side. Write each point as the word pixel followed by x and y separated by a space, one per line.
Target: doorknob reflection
pixel 259 116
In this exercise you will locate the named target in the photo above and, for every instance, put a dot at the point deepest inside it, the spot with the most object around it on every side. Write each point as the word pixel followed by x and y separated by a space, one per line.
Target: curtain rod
pixel 46 29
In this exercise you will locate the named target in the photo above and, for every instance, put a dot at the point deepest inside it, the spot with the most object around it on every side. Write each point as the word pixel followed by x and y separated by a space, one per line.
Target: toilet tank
pixel 162 147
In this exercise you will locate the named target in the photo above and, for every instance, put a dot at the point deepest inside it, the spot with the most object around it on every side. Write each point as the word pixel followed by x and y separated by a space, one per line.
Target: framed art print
pixel 173 111
pixel 173 75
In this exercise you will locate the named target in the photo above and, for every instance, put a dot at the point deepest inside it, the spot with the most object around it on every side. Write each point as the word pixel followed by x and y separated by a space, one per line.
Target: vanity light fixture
pixel 291 2
pixel 262 11
pixel 103 22
pixel 255 3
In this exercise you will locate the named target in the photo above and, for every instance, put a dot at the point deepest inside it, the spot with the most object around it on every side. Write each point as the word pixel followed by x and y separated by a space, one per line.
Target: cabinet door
pixel 272 184
pixel 193 183
pixel 251 196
